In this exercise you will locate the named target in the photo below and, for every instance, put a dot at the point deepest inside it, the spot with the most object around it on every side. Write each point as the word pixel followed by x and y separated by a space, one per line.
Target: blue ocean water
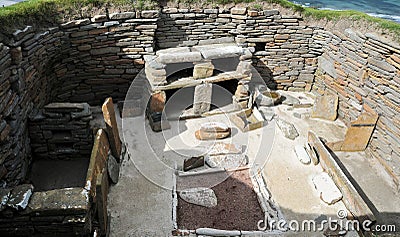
pixel 388 9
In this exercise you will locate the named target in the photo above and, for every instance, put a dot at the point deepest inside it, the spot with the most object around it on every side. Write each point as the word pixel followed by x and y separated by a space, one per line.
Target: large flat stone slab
pixel 200 196
pixel 230 161
pixel 219 51
pixel 60 202
pixel 360 132
pixel 325 107
pixel 182 57
pixel 327 189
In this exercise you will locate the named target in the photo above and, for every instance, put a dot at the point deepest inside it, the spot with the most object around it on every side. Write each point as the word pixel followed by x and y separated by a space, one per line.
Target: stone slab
pixel 203 70
pixel 288 129
pixel 203 135
pixel 67 201
pixel 327 189
pixel 199 196
pixel 20 196
pixel 184 57
pixel 302 154
pixel 193 162
pixel 202 98
pixel 359 133
pixel 229 161
pixel 325 107
pixel 98 161
pixel 351 197
pixel 111 127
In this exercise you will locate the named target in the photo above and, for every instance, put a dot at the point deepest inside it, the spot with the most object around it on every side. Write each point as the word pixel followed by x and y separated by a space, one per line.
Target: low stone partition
pixel 62 131
pixel 364 71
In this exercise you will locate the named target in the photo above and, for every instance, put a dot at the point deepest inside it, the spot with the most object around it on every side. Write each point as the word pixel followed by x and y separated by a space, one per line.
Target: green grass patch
pixel 40 11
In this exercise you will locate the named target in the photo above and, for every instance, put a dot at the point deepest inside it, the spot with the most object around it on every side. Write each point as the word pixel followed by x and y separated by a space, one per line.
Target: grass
pixel 49 10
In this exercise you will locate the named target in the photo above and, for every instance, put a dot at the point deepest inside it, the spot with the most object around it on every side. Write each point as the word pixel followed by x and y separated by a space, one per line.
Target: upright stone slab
pixel 157 101
pixel 112 127
pixel 360 132
pixel 202 98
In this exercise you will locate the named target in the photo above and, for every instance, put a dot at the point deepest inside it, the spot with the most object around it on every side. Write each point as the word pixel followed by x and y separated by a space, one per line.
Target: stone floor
pixel 141 203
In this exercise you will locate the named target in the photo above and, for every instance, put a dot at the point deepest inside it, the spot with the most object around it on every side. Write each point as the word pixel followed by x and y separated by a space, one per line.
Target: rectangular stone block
pixel 203 70
pixel 202 98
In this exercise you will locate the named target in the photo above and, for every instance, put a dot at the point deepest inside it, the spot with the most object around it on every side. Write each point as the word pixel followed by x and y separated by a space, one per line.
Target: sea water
pixel 387 9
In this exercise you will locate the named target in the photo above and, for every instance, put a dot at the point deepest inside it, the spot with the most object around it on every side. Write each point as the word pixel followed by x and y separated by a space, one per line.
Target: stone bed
pixel 242 201
pixel 67 186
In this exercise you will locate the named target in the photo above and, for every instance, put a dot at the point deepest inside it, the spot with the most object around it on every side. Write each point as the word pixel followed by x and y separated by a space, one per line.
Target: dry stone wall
pixel 89 60
pixel 364 72
pixel 62 131
pixel 28 66
pixel 282 46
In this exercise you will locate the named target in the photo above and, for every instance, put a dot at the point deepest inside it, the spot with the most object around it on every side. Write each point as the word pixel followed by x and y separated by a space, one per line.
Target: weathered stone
pixel 268 13
pixel 167 58
pixel 221 148
pixel 157 101
pixel 19 197
pixel 111 127
pixel 217 232
pixel 325 107
pixel 113 169
pixel 215 52
pixel 98 161
pixel 214 127
pixel 193 162
pixel 122 15
pixel 327 189
pixel 108 50
pixel 199 196
pixel 102 189
pixel 238 11
pixel 288 129
pixel 302 154
pixel 4 196
pixel 248 119
pixel 242 91
pixel 65 107
pixel 360 132
pixel 229 161
pixel 267 98
pixel 203 70
pixel 202 98
pixel 65 201
pixel 204 135
pixel 149 13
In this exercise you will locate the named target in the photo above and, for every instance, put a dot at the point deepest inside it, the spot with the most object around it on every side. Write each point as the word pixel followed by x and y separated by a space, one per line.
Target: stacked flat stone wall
pixel 28 67
pixel 62 131
pixel 281 45
pixel 364 71
pixel 105 54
